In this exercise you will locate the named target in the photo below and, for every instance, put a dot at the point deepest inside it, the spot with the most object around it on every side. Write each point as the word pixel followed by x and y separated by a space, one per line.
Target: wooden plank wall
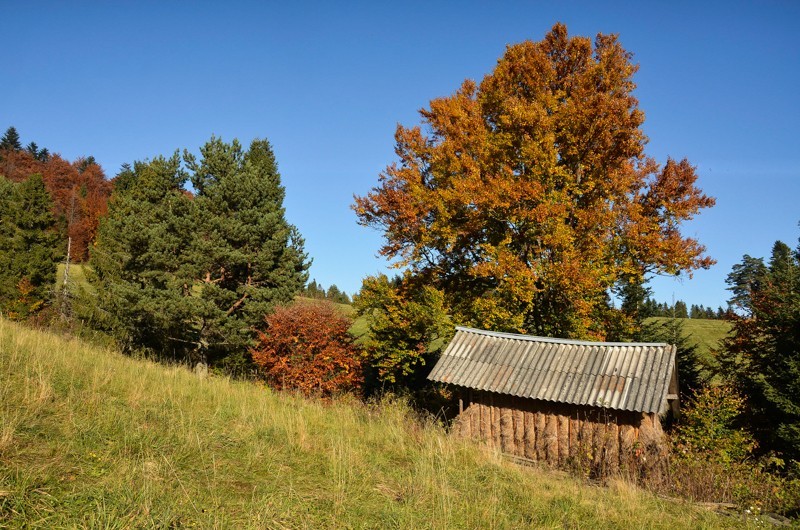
pixel 558 433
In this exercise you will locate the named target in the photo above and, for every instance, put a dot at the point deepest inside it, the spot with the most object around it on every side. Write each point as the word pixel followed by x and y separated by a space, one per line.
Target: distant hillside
pixel 92 439
pixel 705 333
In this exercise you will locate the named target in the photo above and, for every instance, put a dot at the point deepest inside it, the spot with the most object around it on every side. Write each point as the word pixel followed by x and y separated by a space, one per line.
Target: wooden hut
pixel 553 400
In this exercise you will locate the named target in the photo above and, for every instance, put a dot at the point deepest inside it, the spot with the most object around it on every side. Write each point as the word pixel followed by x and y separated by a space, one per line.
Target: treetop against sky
pixel 328 84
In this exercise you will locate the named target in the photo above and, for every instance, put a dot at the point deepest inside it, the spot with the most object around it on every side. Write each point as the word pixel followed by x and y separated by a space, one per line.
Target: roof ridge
pixel 535 338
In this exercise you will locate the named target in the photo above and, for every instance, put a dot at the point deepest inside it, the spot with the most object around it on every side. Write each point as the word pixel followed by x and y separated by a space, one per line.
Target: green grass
pixel 77 278
pixel 704 333
pixel 90 438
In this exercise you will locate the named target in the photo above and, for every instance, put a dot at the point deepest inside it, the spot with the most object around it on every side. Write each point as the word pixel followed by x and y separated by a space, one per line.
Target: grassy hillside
pixel 89 438
pixel 705 333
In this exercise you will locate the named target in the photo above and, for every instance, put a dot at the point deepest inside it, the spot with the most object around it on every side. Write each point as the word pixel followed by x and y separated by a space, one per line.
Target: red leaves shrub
pixel 306 347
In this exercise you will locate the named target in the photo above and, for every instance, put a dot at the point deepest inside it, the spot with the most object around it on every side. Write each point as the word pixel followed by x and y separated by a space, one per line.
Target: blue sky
pixel 327 84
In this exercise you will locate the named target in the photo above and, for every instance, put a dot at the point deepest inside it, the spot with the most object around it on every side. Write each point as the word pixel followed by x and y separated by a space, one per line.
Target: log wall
pixel 558 433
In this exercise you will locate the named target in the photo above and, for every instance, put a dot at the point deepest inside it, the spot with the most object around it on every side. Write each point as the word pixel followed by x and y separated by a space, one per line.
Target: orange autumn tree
pixel 528 197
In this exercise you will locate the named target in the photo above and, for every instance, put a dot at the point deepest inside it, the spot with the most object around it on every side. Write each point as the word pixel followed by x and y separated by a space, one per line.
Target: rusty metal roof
pixel 616 375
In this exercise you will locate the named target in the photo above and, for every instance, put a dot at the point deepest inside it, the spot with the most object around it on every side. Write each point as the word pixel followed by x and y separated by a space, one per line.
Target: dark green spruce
pixel 10 140
pixel 763 352
pixel 30 247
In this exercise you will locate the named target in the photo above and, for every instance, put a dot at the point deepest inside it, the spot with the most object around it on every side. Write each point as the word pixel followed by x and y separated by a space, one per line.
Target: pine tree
pixel 250 258
pixel 634 296
pixel 314 290
pixel 336 295
pixel 7 231
pixel 145 288
pixel 10 140
pixel 32 149
pixel 191 276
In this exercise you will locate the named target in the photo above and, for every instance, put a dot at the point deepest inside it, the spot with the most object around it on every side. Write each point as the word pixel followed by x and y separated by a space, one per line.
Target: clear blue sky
pixel 327 84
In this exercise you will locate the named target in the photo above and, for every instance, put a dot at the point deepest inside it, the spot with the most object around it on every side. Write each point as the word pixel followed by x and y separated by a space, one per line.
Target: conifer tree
pixel 634 297
pixel 29 247
pixel 10 140
pixel 763 352
pixel 190 276
pixel 314 290
pixel 7 230
pixel 337 295
pixel 144 287
pixel 32 149
pixel 250 258
pixel 694 371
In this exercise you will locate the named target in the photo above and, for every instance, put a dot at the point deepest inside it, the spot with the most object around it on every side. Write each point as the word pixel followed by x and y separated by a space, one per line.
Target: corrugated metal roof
pixel 616 375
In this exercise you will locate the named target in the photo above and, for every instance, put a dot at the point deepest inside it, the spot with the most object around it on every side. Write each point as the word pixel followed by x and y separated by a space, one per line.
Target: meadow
pixel 704 333
pixel 91 438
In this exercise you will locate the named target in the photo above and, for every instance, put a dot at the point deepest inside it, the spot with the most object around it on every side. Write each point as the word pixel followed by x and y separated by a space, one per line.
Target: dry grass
pixel 90 438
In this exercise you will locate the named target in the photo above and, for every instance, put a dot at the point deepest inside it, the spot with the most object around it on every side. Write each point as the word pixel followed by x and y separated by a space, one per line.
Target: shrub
pixel 408 325
pixel 306 347
pixel 712 459
pixel 707 428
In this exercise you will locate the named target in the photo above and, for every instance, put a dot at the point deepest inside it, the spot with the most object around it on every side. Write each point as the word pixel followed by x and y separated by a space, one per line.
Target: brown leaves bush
pixel 306 347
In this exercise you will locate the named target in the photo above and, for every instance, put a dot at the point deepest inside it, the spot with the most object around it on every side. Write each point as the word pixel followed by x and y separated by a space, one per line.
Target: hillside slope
pixel 705 333
pixel 90 438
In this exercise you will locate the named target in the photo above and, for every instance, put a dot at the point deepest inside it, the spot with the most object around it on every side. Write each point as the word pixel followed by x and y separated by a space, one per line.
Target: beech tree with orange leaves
pixel 526 198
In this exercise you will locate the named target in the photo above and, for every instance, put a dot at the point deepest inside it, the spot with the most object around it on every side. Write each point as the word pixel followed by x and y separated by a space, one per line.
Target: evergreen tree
pixel 145 288
pixel 32 149
pixel 10 140
pixel 335 295
pixel 7 231
pixel 745 278
pixel 633 295
pixel 314 290
pixel 83 163
pixel 29 247
pixel 192 276
pixel 650 308
pixel 679 310
pixel 763 352
pixel 42 155
pixel 124 179
pixel 250 258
